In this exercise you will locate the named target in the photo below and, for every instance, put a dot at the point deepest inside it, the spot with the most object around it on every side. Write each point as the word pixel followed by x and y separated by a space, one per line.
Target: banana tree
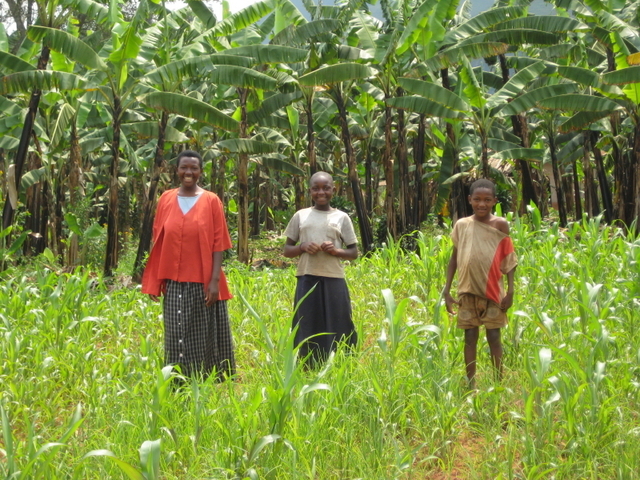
pixel 317 37
pixel 339 79
pixel 314 35
pixel 554 99
pixel 416 31
pixel 425 36
pixel 115 91
pixel 628 173
pixel 591 124
pixel 250 85
pixel 620 89
pixel 112 82
pixel 382 49
pixel 537 30
pixel 50 14
pixel 491 34
pixel 614 31
pixel 230 36
pixel 168 45
pixel 473 107
pixel 366 113
pixel 38 81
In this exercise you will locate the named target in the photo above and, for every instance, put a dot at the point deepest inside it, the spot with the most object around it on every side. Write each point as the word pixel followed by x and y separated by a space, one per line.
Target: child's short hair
pixel 483 183
pixel 319 175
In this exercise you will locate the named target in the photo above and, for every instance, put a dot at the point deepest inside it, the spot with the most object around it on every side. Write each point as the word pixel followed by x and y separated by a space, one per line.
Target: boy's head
pixel 319 175
pixel 483 183
pixel 482 197
pixel 322 189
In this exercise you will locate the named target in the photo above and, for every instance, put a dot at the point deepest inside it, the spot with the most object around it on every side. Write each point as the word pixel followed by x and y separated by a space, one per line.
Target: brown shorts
pixel 476 311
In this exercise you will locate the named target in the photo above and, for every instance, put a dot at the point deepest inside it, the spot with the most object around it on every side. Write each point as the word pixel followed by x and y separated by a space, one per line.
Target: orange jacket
pixel 172 255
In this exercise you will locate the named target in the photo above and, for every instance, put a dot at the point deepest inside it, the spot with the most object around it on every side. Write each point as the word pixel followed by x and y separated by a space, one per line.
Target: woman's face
pixel 189 171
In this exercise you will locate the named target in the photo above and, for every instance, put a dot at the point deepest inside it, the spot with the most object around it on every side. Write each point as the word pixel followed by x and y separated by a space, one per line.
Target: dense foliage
pixel 81 369
pixel 95 99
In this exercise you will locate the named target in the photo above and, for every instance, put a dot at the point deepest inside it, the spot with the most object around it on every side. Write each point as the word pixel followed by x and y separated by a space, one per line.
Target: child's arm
pixel 292 250
pixel 349 253
pixel 507 301
pixel 451 271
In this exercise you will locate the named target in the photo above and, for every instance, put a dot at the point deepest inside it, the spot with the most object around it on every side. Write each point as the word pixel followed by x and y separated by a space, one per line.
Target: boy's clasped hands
pixel 312 248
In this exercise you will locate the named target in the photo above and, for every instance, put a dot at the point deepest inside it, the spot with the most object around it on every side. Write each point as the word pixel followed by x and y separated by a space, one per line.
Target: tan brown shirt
pixel 485 254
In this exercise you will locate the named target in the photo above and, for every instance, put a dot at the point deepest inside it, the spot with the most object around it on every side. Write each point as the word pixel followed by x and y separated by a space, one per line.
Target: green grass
pixel 84 393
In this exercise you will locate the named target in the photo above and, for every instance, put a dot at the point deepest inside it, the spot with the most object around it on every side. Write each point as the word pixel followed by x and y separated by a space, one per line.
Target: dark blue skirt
pixel 324 315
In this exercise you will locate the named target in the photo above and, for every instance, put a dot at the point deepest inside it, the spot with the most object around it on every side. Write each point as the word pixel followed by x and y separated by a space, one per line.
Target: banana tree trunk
pixel 624 201
pixel 366 232
pixel 311 136
pixel 146 233
pixel 113 247
pixel 528 175
pixel 215 166
pixel 299 188
pixel 591 204
pixel 75 186
pixel 403 173
pixel 269 222
pixel 387 163
pixel 418 158
pixel 368 179
pixel 562 211
pixel 623 174
pixel 35 205
pixel 519 124
pixel 568 196
pixel 217 180
pixel 23 146
pixel 243 184
pixel 486 170
pixel 576 190
pixel 40 204
pixel 603 182
pixel 58 215
pixel 255 215
pixel 458 199
pixel 48 210
pixel 635 154
pixel 243 208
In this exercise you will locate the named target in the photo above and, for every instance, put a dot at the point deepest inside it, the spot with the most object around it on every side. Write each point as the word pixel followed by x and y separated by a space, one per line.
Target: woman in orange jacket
pixel 185 265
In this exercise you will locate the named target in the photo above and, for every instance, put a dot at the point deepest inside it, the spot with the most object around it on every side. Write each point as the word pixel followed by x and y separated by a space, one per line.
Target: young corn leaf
pixel 129 470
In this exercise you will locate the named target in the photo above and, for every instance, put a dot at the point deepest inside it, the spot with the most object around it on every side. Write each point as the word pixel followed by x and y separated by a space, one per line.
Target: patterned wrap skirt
pixel 196 337
pixel 324 315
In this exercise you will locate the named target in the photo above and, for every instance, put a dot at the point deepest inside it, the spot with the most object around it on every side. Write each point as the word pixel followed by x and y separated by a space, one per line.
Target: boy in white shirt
pixel 325 236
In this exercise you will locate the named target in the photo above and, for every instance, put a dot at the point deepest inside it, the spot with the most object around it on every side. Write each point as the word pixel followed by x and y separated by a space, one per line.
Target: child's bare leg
pixel 470 353
pixel 495 347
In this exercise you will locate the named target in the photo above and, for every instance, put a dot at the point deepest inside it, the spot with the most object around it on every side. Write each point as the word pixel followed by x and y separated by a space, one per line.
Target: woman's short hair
pixel 190 154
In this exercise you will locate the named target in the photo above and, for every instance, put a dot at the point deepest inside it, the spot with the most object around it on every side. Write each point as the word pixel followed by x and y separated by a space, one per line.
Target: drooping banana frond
pixel 65 43
pixel 191 108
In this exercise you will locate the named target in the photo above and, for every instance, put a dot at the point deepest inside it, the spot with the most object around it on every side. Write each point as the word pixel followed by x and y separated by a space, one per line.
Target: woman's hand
pixel 211 293
pixel 154 298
